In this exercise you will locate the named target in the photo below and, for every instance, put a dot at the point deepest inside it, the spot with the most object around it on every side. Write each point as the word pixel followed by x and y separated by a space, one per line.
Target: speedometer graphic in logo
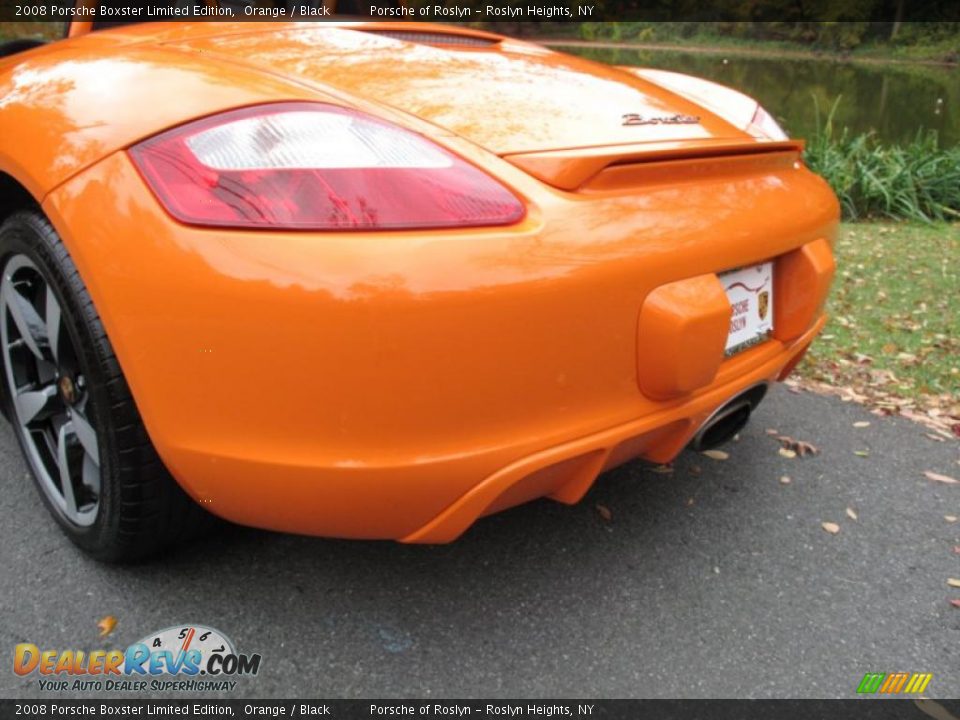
pixel 184 648
pixel 190 637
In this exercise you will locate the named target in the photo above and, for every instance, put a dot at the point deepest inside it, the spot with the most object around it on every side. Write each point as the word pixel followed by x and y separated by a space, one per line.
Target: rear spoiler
pixel 571 168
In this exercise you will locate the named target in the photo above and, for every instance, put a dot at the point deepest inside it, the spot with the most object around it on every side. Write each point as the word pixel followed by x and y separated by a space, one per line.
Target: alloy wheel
pixel 51 402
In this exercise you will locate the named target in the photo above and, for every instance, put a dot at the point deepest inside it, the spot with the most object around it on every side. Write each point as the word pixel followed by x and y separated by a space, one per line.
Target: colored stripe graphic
pixel 871 682
pixel 894 683
pixel 918 683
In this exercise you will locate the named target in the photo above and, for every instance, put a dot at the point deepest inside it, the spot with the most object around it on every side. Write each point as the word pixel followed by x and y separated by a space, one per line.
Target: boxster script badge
pixel 678 119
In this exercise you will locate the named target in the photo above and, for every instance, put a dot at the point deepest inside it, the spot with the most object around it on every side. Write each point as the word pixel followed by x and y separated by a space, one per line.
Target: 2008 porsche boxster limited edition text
pixel 377 280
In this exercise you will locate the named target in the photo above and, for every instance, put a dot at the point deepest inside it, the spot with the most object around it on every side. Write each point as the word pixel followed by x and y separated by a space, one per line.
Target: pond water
pixel 892 100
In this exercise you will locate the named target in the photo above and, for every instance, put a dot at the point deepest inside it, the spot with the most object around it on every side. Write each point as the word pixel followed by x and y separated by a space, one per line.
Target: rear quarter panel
pixel 67 105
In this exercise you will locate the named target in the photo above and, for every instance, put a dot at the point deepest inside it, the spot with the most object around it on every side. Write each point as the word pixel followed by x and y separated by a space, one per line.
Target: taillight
pixel 311 166
pixel 763 126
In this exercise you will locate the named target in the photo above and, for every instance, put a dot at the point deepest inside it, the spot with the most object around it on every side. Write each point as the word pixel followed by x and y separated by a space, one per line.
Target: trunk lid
pixel 506 96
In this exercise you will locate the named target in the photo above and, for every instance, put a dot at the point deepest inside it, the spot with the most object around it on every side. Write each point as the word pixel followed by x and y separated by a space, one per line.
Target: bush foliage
pixel 821 34
pixel 916 181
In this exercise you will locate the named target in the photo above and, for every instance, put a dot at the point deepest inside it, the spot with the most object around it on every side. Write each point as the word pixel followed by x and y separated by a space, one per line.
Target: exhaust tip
pixel 729 419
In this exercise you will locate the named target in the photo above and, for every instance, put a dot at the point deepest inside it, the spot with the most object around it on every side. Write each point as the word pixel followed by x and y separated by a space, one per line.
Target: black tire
pixel 141 509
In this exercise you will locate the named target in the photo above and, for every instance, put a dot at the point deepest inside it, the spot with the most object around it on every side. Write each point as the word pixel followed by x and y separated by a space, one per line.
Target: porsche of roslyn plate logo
pixel 763 304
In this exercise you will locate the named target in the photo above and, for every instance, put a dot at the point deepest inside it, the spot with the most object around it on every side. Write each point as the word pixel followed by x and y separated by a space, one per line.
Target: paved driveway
pixel 716 583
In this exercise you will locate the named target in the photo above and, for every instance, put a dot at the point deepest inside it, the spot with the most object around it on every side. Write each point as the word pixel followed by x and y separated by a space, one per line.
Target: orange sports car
pixel 377 280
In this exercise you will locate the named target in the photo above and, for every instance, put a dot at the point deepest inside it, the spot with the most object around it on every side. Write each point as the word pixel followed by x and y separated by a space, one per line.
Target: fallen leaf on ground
pixel 784 479
pixel 955 602
pixel 106 625
pixel 604 512
pixel 953 582
pixel 800 447
pixel 852 514
pixel 787 453
pixel 830 527
pixel 871 388
pixel 937 477
pixel 716 454
pixel 862 424
pixel 950 518
pixel 861 453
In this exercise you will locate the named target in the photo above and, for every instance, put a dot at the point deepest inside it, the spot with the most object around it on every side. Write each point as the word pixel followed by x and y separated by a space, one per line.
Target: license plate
pixel 750 291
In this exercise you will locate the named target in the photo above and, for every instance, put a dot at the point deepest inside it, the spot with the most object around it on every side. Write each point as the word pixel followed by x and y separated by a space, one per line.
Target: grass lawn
pixel 894 330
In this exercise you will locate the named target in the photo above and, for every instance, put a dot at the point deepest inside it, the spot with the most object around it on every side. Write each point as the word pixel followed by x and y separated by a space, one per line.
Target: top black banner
pixel 484 11
pixel 550 709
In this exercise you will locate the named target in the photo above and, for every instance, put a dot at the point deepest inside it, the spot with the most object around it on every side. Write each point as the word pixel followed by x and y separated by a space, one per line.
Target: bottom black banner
pixel 491 709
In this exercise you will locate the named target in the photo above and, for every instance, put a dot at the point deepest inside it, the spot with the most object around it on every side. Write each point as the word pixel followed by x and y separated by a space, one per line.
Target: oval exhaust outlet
pixel 729 419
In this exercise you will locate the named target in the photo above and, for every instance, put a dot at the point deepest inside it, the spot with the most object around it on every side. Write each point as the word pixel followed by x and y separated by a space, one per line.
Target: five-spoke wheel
pixel 51 406
pixel 74 415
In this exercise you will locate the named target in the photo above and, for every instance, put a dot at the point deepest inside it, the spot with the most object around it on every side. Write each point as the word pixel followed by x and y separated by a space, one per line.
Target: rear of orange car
pixel 403 383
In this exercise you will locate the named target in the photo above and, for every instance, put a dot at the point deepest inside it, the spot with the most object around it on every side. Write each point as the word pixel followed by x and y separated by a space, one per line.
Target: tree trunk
pixel 897 20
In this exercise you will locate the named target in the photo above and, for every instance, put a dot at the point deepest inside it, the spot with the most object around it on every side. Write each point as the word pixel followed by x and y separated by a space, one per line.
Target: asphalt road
pixel 721 584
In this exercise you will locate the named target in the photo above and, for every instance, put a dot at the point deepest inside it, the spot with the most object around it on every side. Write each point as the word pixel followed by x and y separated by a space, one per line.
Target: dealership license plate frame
pixel 750 292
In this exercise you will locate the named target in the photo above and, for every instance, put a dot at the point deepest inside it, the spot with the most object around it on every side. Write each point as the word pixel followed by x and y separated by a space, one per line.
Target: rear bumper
pixel 400 385
pixel 567 471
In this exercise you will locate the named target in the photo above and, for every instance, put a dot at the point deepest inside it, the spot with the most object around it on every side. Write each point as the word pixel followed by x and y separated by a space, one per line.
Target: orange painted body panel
pixel 75 101
pixel 517 98
pixel 801 287
pixel 681 336
pixel 402 384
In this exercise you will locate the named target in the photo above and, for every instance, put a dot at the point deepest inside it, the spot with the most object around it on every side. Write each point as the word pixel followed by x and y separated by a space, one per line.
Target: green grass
pixel 916 181
pixel 894 328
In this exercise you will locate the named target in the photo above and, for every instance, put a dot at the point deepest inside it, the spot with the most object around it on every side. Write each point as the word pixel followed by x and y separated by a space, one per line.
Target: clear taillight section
pixel 311 166
pixel 763 126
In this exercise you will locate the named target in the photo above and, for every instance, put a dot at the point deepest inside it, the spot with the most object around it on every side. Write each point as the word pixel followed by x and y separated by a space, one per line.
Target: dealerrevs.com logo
pixel 187 658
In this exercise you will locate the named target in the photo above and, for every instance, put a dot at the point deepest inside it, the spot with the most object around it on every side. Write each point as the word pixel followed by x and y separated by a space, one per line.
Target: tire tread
pixel 152 512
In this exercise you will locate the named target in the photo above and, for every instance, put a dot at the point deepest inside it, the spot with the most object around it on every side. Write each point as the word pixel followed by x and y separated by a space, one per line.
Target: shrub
pixel 916 181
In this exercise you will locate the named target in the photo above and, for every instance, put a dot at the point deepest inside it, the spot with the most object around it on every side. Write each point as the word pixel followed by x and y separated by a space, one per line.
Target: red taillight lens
pixel 310 166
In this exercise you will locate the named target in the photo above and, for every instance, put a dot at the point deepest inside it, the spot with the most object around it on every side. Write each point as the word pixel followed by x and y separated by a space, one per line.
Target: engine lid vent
pixel 436 38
